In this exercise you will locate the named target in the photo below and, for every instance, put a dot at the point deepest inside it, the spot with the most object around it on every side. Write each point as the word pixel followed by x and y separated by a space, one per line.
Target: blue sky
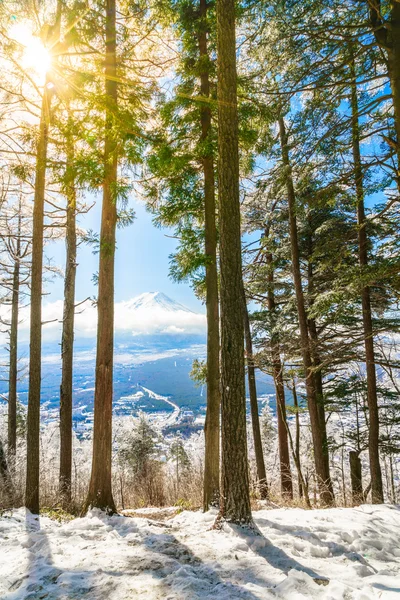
pixel 142 261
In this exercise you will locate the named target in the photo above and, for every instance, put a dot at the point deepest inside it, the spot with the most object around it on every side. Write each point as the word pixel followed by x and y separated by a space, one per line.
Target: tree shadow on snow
pixel 385 588
pixel 175 572
pixel 274 556
pixel 42 580
pixel 181 573
pixel 334 548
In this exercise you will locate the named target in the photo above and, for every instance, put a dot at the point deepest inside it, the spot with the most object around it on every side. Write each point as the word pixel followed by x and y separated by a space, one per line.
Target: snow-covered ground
pixel 328 554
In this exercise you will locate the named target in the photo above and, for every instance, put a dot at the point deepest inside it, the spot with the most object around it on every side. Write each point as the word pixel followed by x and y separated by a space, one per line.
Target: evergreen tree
pixel 235 500
pixel 181 459
pixel 100 492
pixel 375 468
pixel 188 201
pixel 123 140
pixel 315 408
pixel 385 24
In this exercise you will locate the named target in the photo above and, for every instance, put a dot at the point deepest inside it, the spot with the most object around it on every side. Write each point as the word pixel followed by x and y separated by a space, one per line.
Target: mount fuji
pixel 156 313
pixel 156 301
pixel 156 341
pixel 150 313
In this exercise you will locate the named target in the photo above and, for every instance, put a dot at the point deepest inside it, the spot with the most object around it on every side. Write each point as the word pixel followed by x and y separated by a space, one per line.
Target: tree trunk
pixel 100 489
pixel 255 418
pixel 13 370
pixel 212 424
pixel 35 340
pixel 277 371
pixel 314 349
pixel 295 448
pixel 373 441
pixel 343 478
pixel 321 465
pixel 35 353
pixel 297 443
pixel 392 482
pixel 67 340
pixel 3 463
pixel 319 386
pixel 5 480
pixel 235 496
pixel 356 478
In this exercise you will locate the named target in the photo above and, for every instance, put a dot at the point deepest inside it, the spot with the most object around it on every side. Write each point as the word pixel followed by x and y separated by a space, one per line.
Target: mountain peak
pixel 156 300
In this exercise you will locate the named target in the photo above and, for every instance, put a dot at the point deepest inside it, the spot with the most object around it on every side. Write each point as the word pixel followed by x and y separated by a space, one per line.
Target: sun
pixel 36 58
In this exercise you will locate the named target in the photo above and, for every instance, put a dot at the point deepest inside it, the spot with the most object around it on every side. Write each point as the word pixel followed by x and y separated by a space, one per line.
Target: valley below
pixel 151 375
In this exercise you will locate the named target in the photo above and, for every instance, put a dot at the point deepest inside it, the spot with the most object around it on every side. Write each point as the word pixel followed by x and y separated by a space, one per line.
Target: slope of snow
pixel 348 554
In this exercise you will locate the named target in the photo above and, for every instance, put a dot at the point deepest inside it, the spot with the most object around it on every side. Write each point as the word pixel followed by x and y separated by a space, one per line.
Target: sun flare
pixel 35 56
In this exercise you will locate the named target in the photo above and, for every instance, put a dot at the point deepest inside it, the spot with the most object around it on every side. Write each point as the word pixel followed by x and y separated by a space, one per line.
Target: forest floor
pixel 158 554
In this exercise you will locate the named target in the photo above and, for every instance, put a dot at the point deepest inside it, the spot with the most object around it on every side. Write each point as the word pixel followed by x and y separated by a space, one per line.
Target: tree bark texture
pixel 356 478
pixel 6 486
pixel 212 424
pixel 100 489
pixel 67 339
pixel 255 418
pixel 235 497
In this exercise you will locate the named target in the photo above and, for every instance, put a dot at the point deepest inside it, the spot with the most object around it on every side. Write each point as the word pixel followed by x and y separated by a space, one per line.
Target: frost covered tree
pixel 15 240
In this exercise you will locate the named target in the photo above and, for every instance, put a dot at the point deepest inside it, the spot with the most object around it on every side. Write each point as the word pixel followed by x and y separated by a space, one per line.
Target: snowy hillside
pixel 346 554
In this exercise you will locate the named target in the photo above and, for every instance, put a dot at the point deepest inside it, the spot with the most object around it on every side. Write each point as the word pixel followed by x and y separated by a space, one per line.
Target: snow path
pixel 122 558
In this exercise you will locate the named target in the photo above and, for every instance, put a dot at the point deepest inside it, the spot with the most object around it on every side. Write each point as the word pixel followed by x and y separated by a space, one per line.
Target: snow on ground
pixel 325 554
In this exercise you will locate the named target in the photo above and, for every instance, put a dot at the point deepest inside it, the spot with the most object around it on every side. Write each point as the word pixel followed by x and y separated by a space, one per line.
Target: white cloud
pixel 173 329
pixel 149 319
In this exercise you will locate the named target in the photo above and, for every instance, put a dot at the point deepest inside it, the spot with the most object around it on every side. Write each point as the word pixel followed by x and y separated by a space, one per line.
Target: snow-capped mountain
pixel 155 312
pixel 156 341
pixel 156 301
pixel 148 313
